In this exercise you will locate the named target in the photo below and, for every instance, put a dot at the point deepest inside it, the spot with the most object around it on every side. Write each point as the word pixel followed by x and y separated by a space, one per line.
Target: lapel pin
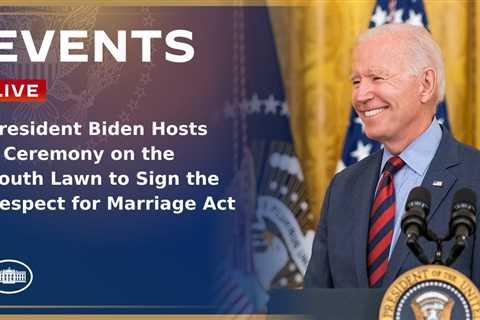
pixel 437 183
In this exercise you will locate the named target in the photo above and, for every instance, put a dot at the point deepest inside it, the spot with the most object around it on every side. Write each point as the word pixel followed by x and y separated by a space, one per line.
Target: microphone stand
pixel 438 256
pixel 412 243
pixel 417 250
pixel 456 250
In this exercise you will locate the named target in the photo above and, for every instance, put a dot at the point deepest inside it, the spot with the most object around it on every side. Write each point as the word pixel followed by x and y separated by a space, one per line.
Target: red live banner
pixel 24 90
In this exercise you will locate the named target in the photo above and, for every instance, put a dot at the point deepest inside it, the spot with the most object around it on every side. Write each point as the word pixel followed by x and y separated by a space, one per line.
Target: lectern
pixel 327 304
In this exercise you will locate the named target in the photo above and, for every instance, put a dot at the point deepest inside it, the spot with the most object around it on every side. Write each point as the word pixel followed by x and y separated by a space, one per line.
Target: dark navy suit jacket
pixel 339 254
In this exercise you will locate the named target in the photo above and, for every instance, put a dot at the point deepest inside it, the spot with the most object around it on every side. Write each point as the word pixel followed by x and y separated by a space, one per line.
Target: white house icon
pixel 12 276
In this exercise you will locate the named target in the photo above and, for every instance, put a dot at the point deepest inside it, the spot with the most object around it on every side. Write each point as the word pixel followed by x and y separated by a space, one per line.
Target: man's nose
pixel 363 92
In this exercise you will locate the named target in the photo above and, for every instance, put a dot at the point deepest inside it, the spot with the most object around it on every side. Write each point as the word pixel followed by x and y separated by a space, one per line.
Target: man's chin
pixel 375 135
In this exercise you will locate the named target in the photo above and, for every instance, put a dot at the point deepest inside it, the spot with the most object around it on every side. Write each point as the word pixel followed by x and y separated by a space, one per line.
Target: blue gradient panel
pixel 137 258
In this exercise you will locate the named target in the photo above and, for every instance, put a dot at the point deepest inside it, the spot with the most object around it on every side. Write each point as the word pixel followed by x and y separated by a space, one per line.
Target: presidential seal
pixel 431 292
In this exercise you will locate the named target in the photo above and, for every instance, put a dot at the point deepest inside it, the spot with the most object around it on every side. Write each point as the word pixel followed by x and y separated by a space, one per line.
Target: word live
pixel 23 91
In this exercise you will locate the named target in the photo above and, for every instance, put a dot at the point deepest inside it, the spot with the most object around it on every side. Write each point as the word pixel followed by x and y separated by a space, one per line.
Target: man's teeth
pixel 374 112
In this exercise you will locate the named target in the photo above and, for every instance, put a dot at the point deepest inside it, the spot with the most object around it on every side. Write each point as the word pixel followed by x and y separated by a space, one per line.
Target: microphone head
pixel 414 223
pixel 419 197
pixel 465 199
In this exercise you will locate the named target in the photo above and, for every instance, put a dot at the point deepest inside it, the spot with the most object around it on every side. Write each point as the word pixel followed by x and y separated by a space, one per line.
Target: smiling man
pixel 398 80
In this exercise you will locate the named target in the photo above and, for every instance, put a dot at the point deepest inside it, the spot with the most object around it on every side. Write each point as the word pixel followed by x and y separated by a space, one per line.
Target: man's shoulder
pixel 469 162
pixel 356 169
pixel 463 160
pixel 467 152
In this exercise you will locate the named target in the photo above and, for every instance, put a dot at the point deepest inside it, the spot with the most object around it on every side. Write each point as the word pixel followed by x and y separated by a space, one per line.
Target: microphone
pixel 414 223
pixel 417 208
pixel 462 222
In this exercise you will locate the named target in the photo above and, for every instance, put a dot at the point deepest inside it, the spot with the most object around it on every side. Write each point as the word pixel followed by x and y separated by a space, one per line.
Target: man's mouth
pixel 373 112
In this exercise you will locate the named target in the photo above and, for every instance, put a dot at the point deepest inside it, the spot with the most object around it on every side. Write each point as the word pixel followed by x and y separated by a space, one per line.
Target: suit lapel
pixel 366 182
pixel 438 194
pixel 445 157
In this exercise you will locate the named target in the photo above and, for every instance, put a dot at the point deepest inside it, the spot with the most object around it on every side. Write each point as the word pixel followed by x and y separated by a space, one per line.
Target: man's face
pixel 385 95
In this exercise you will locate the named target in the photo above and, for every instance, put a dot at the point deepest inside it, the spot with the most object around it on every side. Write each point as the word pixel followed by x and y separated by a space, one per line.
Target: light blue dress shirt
pixel 417 157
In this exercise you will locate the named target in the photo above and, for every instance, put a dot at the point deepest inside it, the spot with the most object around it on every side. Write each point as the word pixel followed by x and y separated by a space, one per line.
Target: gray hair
pixel 422 49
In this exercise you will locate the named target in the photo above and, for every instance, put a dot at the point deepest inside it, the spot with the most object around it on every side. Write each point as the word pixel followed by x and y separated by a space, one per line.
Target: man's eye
pixel 356 82
pixel 377 78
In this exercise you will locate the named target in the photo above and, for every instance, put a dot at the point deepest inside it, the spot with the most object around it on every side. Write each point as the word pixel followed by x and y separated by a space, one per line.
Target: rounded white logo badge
pixel 15 276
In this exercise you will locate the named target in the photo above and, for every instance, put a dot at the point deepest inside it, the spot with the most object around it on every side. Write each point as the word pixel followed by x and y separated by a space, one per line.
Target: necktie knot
pixel 393 165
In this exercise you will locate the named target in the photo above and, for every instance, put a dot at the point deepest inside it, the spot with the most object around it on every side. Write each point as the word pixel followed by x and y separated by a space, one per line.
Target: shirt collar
pixel 418 154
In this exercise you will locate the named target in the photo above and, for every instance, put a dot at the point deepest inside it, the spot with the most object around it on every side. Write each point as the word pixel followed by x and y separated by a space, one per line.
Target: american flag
pixel 357 146
pixel 270 240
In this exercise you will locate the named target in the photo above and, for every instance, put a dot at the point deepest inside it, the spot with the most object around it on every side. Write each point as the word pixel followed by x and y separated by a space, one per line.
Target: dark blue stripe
pixel 378 262
pixel 385 180
pixel 383 207
pixel 382 233
pixel 379 282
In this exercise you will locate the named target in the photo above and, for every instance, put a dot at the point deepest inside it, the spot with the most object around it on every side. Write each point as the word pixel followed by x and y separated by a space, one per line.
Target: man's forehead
pixel 393 39
pixel 378 57
pixel 380 48
pixel 376 63
pixel 374 70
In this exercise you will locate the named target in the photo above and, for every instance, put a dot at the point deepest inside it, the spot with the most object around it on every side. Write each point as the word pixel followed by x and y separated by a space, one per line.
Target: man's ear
pixel 428 85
